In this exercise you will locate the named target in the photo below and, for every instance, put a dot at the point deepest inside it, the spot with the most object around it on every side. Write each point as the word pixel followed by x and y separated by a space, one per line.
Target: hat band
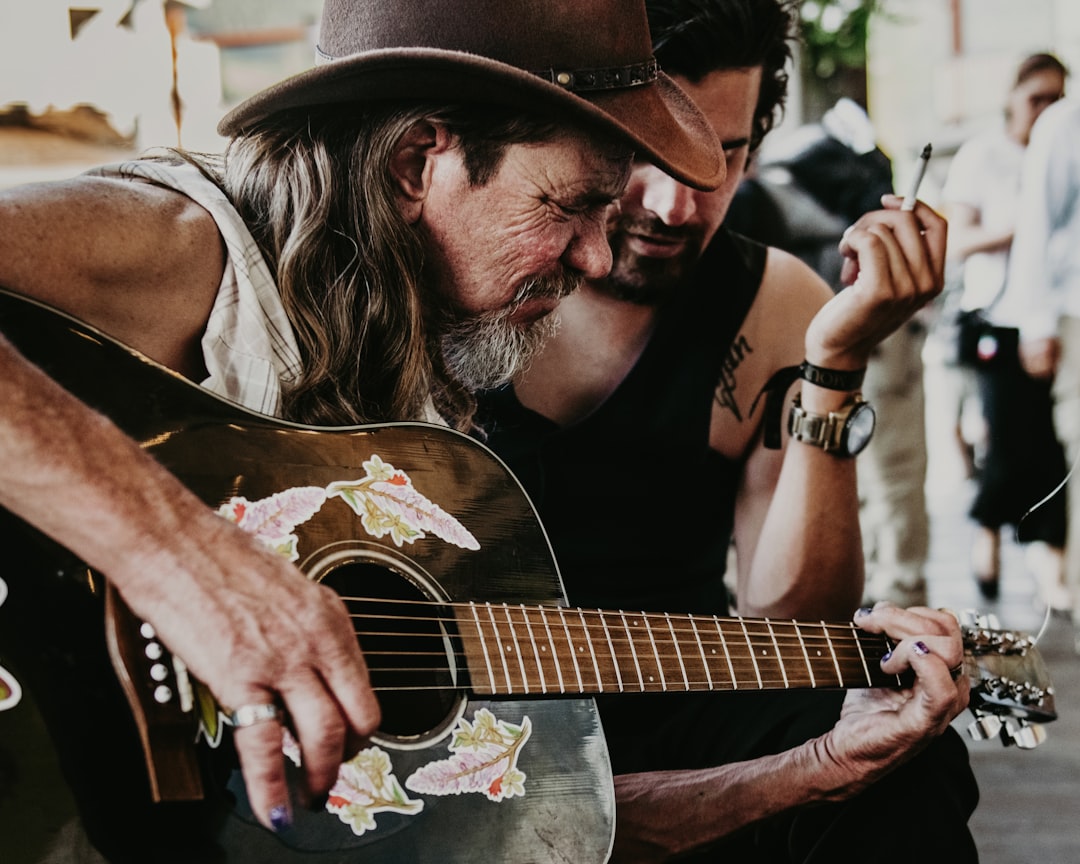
pixel 602 77
pixel 576 80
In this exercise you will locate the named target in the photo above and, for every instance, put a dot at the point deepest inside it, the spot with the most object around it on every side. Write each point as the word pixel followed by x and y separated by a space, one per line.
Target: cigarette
pixel 916 181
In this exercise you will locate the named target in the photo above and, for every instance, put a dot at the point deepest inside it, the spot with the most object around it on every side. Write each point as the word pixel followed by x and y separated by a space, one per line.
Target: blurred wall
pixel 938 70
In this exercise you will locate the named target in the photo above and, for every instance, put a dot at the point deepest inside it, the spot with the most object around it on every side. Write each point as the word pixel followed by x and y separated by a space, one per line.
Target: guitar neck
pixel 551 650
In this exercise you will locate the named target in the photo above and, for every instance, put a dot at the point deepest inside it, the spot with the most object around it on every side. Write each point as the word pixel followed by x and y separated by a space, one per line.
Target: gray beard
pixel 486 351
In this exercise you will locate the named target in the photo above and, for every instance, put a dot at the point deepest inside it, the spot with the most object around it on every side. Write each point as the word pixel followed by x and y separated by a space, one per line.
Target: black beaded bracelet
pixel 831 379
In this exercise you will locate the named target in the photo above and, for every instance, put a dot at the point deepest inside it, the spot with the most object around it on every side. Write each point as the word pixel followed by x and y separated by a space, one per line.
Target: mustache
pixel 652 227
pixel 554 286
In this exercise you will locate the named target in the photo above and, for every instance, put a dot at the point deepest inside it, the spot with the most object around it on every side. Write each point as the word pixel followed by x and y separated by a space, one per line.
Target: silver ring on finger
pixel 249 715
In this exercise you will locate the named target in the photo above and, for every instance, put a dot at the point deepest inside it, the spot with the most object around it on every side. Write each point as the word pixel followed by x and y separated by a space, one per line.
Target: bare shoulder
pixel 123 255
pixel 772 336
pixel 790 295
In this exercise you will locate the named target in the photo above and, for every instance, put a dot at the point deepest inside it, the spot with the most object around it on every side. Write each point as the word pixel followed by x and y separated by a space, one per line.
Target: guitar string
pixel 667 651
pixel 842 629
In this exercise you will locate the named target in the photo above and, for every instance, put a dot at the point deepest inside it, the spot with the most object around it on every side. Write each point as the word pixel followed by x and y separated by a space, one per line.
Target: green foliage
pixel 834 34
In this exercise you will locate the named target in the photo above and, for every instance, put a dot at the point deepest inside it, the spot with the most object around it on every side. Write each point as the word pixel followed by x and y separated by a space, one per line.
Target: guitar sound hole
pixel 407 645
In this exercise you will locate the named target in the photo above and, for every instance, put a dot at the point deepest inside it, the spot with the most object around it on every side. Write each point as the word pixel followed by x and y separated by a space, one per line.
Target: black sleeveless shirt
pixel 638 507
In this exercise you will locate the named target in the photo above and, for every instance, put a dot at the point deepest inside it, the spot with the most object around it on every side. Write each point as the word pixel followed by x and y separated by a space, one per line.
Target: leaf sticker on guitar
pixel 273 520
pixel 387 503
pixel 366 786
pixel 10 691
pixel 484 759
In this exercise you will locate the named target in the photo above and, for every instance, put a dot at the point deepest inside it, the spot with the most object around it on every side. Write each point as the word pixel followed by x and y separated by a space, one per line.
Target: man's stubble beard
pixel 487 350
pixel 641 279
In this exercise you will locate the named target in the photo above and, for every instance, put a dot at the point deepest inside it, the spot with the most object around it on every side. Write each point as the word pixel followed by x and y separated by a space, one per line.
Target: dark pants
pixel 918 812
pixel 1024 461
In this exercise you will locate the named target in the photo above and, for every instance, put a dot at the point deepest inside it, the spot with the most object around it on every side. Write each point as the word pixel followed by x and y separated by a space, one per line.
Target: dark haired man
pixel 638 430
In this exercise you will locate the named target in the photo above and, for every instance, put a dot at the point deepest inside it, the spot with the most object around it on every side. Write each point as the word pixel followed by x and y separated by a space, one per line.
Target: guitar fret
pixel 483 647
pixel 633 652
pixel 820 658
pixel 753 657
pixel 701 651
pixel 614 659
pixel 678 651
pixel 779 656
pixel 727 654
pixel 570 648
pixel 592 651
pixel 806 653
pixel 554 650
pixel 832 650
pixel 517 648
pixel 659 663
pixel 502 646
pixel 862 657
pixel 536 650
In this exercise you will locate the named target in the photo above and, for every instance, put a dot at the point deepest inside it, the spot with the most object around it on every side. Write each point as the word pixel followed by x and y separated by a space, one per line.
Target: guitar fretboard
pixel 550 650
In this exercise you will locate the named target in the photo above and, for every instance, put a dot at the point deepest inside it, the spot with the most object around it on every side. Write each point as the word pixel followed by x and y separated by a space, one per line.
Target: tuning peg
pixel 1024 735
pixel 975 618
pixel 989 621
pixel 984 727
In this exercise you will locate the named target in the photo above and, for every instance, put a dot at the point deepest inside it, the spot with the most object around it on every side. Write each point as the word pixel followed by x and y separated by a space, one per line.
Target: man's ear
pixel 412 165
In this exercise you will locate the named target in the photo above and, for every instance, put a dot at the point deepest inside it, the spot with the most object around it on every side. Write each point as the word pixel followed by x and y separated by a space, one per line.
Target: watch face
pixel 859 428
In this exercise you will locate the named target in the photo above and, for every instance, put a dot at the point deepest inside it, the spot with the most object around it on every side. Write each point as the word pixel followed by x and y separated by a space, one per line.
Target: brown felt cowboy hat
pixel 588 60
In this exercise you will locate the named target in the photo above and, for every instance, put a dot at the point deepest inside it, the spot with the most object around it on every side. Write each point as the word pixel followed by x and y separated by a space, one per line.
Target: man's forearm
pixel 664 813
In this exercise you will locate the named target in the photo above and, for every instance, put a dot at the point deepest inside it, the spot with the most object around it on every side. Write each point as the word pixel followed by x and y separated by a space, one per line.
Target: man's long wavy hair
pixel 316 192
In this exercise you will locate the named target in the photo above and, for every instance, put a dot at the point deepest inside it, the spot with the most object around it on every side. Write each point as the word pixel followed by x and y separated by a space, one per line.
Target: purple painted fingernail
pixel 863 610
pixel 920 648
pixel 886 656
pixel 280 820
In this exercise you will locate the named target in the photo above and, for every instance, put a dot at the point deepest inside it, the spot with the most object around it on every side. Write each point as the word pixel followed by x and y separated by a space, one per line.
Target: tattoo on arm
pixel 725 389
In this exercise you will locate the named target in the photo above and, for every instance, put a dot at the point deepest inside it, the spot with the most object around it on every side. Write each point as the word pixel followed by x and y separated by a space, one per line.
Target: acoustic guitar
pixel 491 745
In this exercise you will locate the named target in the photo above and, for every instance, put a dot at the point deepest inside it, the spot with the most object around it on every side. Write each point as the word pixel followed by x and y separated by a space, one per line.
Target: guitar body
pixel 481 542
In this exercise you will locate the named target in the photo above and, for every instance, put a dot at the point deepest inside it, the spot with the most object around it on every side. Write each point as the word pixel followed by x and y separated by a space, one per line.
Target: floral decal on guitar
pixel 10 691
pixel 483 759
pixel 366 786
pixel 483 753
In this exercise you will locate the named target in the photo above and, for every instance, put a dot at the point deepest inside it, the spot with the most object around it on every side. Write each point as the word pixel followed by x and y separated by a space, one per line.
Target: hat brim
pixel 658 119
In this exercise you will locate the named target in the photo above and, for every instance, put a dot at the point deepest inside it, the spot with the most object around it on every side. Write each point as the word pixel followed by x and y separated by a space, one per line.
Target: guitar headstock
pixel 1011 692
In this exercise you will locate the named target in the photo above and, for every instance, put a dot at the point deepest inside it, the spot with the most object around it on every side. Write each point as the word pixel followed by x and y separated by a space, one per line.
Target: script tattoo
pixel 725 390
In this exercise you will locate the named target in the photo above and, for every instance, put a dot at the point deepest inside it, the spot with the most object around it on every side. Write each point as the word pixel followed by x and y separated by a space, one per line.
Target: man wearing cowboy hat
pixel 385 233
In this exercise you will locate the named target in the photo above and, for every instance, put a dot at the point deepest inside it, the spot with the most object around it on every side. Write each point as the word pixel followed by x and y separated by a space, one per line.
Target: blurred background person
pixel 1043 287
pixel 1020 460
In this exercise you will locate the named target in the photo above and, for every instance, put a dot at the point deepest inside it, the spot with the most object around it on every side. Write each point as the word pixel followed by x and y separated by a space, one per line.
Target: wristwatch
pixel 844 432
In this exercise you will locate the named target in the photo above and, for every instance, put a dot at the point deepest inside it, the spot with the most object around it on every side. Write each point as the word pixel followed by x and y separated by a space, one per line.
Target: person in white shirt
pixel 1021 459
pixel 1043 286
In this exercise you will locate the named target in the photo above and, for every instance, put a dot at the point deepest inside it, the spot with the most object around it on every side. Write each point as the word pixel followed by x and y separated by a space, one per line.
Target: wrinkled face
pixel 1029 99
pixel 502 255
pixel 664 225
